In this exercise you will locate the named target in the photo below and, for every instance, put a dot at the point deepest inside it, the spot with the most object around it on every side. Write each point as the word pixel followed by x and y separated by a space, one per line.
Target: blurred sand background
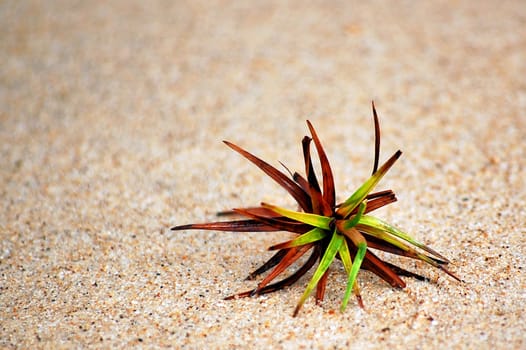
pixel 111 121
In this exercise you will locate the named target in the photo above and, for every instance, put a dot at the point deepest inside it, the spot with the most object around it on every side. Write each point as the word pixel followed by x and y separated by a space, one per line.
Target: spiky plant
pixel 330 230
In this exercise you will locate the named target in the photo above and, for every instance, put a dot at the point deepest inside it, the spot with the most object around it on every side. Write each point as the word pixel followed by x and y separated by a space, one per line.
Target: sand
pixel 111 120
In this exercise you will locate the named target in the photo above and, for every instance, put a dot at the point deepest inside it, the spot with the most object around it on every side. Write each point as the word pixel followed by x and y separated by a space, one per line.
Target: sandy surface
pixel 111 121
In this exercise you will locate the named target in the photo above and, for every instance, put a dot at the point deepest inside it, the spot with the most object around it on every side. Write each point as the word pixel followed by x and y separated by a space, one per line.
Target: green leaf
pixel 345 255
pixel 319 221
pixel 347 224
pixel 359 241
pixel 326 261
pixel 312 236
pixel 378 224
pixel 358 259
pixel 389 238
pixel 357 197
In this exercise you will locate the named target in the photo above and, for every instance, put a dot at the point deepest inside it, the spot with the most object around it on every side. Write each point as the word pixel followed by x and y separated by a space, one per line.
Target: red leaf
pixel 270 263
pixel 328 179
pixel 318 204
pixel 234 226
pixel 295 191
pixel 292 255
pixel 280 223
pixel 284 282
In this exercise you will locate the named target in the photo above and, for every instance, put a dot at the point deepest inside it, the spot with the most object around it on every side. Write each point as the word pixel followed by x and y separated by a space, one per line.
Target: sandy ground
pixel 111 121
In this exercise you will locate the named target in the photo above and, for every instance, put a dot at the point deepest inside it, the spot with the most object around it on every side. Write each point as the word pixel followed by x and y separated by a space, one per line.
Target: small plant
pixel 328 230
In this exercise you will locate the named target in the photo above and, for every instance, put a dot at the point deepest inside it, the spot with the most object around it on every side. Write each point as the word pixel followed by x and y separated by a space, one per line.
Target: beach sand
pixel 111 120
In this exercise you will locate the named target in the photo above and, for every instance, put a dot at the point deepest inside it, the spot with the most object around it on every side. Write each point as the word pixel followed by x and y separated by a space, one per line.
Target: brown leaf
pixel 288 259
pixel 328 180
pixel 318 204
pixel 234 226
pixel 270 263
pixel 295 191
pixel 279 223
pixel 376 139
pixel 284 282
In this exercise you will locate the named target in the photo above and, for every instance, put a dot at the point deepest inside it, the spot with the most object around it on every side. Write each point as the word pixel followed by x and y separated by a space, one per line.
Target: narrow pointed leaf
pixel 280 223
pixel 328 179
pixel 311 236
pixel 383 193
pixel 321 286
pixel 345 255
pixel 256 211
pixel 375 201
pixel 315 220
pixel 376 139
pixel 387 195
pixel 377 266
pixel 289 258
pixel 430 260
pixel 284 282
pixel 351 282
pixel 374 222
pixel 411 252
pixel 318 205
pixel 443 268
pixel 270 263
pixel 380 244
pixel 286 168
pixel 403 272
pixel 353 221
pixel 378 202
pixel 309 169
pixel 233 226
pixel 302 182
pixel 326 261
pixel 360 194
pixel 295 191
pixel 359 241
